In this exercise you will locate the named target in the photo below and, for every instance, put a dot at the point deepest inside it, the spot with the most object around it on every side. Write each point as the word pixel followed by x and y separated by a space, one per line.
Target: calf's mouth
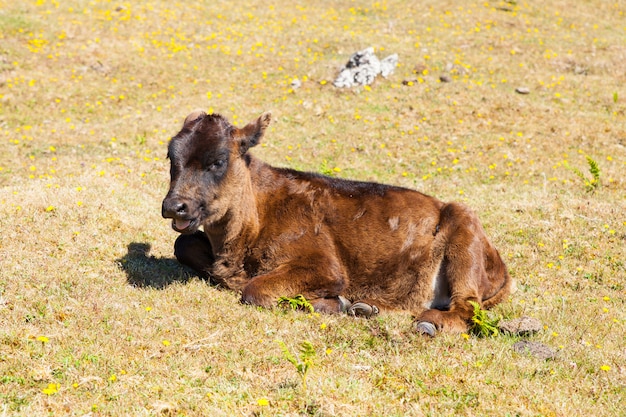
pixel 185 225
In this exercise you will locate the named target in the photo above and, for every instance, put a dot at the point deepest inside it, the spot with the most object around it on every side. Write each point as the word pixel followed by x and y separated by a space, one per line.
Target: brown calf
pixel 344 245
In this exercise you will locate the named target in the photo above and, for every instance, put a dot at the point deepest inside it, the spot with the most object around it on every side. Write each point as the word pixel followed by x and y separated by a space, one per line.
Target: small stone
pixel 522 90
pixel 522 326
pixel 419 69
pixel 445 78
pixel 536 349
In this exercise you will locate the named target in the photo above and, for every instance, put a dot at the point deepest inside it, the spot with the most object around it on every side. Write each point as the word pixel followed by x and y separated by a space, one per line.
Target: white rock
pixel 363 67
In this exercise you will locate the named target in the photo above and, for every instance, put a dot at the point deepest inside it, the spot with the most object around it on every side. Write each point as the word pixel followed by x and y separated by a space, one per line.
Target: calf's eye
pixel 216 165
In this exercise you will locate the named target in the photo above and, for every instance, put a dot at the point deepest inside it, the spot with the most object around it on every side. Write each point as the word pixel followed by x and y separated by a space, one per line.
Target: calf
pixel 346 246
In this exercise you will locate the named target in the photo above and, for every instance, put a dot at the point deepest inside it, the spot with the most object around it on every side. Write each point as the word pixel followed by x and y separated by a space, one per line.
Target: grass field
pixel 98 319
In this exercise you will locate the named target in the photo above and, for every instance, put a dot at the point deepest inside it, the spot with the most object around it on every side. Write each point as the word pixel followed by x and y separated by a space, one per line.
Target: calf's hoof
pixel 360 309
pixel 344 304
pixel 425 328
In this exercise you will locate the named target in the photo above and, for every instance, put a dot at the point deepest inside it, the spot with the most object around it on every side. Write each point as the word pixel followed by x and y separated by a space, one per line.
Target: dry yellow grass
pixel 96 318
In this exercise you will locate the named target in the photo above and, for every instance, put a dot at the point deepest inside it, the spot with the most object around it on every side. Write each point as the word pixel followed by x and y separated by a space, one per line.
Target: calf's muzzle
pixel 178 210
pixel 173 208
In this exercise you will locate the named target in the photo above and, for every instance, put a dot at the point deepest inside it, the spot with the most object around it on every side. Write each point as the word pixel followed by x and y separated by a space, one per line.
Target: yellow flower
pixel 166 343
pixel 263 402
pixel 322 326
pixel 113 378
pixel 51 389
pixel 465 336
pixel 605 368
pixel 43 339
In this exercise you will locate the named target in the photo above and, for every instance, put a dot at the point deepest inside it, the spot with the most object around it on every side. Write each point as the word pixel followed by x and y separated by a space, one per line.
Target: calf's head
pixel 208 171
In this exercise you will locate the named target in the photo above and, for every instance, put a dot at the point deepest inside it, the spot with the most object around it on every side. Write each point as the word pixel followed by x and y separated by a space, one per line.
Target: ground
pixel 96 317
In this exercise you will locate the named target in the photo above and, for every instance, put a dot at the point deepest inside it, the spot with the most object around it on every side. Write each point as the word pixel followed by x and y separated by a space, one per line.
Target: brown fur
pixel 272 232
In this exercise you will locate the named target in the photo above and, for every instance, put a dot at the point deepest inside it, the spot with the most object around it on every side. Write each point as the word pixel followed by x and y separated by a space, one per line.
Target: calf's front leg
pixel 321 283
pixel 195 251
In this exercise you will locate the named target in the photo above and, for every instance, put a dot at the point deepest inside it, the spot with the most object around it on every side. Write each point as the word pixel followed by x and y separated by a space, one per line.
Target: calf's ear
pixel 193 116
pixel 251 134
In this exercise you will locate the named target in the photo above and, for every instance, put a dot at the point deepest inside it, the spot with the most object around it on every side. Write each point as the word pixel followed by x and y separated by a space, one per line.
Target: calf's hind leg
pixel 195 252
pixel 466 273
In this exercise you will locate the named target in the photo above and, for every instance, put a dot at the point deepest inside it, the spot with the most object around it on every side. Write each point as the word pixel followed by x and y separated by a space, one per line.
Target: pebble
pixel 536 349
pixel 522 90
pixel 522 326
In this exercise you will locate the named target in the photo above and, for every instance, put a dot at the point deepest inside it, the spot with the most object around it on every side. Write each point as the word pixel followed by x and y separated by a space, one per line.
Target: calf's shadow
pixel 143 270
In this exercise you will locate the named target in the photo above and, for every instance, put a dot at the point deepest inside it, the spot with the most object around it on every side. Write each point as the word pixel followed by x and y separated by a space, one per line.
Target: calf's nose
pixel 173 207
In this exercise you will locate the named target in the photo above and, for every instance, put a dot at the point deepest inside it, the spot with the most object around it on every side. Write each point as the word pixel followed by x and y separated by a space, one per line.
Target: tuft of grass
pixel 325 169
pixel 482 325
pixel 303 361
pixel 296 303
pixel 593 183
